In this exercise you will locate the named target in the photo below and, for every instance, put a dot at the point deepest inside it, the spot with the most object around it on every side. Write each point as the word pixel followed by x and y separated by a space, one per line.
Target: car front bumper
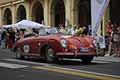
pixel 76 54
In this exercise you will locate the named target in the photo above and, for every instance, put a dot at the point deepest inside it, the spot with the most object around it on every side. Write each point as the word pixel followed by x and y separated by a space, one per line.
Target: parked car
pixel 52 45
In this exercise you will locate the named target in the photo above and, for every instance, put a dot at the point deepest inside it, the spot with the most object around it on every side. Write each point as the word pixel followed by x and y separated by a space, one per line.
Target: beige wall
pixel 70 10
pixel 5 1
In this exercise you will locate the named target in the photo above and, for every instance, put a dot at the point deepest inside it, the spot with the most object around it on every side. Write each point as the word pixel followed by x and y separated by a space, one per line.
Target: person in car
pixel 62 29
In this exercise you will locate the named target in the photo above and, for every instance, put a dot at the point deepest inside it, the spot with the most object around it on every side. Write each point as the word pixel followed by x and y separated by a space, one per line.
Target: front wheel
pixel 87 59
pixel 50 55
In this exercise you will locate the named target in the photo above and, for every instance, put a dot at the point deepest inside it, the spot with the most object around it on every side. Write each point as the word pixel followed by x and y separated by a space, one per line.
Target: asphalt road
pixel 102 68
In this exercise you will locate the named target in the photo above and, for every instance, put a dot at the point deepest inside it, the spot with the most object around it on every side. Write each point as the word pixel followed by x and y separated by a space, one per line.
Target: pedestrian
pixel 0 37
pixel 11 38
pixel 110 28
pixel 116 41
pixel 3 38
pixel 62 29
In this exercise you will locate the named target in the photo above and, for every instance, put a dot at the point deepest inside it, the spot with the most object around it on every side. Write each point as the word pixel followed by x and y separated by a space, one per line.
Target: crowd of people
pixel 8 36
pixel 75 30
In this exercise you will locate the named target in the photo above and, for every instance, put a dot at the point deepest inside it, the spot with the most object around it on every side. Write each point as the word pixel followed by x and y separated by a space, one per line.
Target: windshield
pixel 48 30
pixel 53 30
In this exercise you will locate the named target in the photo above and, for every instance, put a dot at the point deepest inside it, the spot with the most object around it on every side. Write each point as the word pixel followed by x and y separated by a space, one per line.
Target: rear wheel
pixel 18 53
pixel 87 59
pixel 50 55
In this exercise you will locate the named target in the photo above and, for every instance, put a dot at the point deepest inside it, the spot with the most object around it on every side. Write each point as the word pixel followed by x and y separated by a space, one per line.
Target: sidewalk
pixel 108 58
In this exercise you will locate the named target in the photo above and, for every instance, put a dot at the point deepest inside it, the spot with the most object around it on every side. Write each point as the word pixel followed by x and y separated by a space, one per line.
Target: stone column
pixel 0 17
pixel 68 11
pixel 27 8
pixel 74 12
pixel 14 14
pixel 46 12
pixel 106 18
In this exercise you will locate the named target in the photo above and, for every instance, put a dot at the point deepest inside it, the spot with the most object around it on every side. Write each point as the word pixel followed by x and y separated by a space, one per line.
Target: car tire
pixel 87 59
pixel 18 53
pixel 50 55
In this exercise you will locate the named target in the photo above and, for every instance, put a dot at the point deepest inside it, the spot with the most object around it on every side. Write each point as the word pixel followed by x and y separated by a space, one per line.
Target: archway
pixel 114 11
pixel 21 13
pixel 37 12
pixel 7 17
pixel 84 12
pixel 58 12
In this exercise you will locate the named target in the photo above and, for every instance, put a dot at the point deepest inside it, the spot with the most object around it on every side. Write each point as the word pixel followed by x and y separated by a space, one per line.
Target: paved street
pixel 101 68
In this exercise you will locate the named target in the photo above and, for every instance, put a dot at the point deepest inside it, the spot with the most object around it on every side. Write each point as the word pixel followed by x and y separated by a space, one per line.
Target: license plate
pixel 84 49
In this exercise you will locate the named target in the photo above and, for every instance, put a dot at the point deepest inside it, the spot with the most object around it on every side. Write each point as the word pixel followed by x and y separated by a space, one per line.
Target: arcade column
pixel 106 18
pixel 0 17
pixel 13 14
pixel 28 14
pixel 46 12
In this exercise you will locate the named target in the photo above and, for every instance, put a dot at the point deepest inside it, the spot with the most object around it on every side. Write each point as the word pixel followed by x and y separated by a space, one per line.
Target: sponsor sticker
pixel 26 48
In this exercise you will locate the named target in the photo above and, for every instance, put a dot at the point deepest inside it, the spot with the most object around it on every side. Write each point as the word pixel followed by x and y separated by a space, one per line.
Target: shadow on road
pixel 63 62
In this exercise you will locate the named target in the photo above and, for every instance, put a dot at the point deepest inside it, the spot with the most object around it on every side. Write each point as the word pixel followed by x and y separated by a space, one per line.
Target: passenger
pixel 85 31
pixel 62 29
pixel 73 30
pixel 21 34
pixel 79 31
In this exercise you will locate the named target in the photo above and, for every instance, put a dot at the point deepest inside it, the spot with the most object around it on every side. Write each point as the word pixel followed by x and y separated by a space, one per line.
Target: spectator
pixel 11 38
pixel 110 28
pixel 3 38
pixel 116 40
pixel 89 29
pixel 0 37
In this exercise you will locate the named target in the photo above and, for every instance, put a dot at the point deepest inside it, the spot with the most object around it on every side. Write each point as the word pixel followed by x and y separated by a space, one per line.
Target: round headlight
pixel 64 43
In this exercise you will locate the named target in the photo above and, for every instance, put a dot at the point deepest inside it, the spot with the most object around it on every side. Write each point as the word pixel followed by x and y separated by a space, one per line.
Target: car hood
pixel 78 41
pixel 81 41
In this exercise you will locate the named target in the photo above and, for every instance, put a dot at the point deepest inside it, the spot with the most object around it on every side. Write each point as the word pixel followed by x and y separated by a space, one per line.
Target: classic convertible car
pixel 52 45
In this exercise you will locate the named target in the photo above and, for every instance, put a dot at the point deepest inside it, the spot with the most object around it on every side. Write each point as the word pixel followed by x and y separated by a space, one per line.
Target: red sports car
pixel 52 45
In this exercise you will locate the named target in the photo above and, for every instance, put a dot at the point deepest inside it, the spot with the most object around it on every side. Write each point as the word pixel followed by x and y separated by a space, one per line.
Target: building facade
pixel 51 12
